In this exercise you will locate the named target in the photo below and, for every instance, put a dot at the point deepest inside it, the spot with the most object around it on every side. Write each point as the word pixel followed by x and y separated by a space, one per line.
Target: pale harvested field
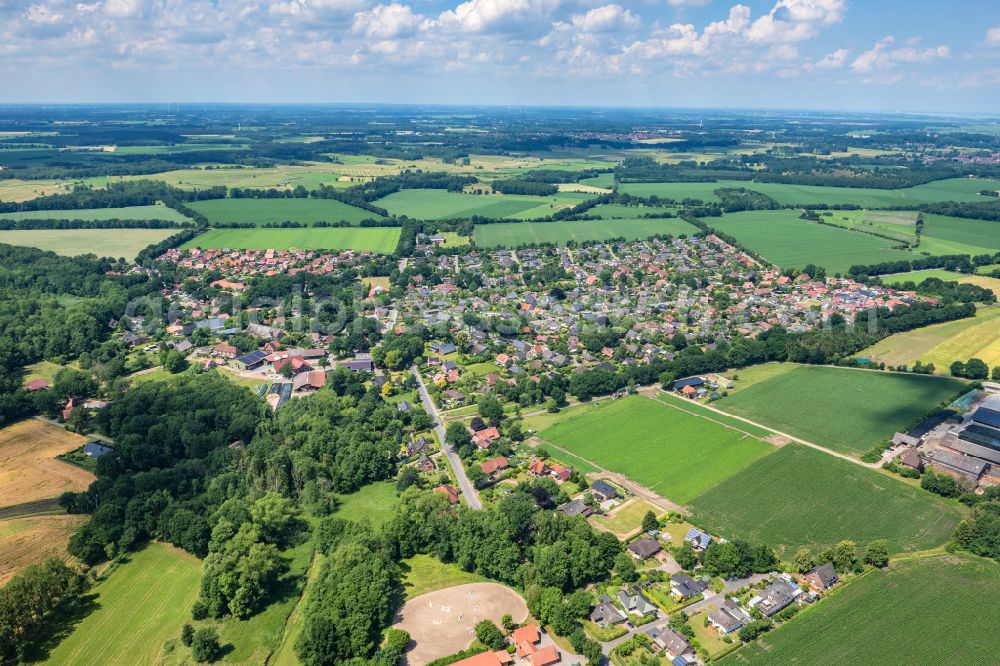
pixel 30 470
pixel 941 344
pixel 577 187
pixel 33 539
pixel 13 189
pixel 378 281
pixel 991 283
pixel 443 622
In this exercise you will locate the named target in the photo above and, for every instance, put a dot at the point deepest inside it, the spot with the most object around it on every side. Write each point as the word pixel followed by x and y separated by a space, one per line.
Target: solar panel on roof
pixel 252 357
pixel 986 416
pixel 982 436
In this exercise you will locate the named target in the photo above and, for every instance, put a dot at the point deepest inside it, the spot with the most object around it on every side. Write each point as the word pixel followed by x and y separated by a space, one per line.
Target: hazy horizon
pixel 693 110
pixel 701 54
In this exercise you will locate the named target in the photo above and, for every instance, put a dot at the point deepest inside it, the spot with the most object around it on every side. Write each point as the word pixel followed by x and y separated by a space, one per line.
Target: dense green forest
pixel 57 308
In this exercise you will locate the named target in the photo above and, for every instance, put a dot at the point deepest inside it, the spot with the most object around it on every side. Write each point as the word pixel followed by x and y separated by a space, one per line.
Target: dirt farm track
pixel 443 622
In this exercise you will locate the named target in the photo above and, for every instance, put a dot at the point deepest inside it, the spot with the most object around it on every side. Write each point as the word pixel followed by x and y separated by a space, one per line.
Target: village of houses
pixel 525 319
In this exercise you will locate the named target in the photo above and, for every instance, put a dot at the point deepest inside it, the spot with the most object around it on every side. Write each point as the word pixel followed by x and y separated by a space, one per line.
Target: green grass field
pixel 700 410
pixel 262 638
pixel 952 189
pixel 42 370
pixel 789 242
pixel 514 234
pixel 426 573
pixel 799 496
pixel 935 610
pixel 899 226
pixel 957 235
pixel 942 344
pixel 442 205
pixel 847 410
pixel 275 211
pixel 375 503
pixel 139 606
pixel 285 655
pixel 113 243
pixel 620 210
pixel 600 180
pixel 157 212
pixel 894 279
pixel 674 453
pixel 452 239
pixel 381 240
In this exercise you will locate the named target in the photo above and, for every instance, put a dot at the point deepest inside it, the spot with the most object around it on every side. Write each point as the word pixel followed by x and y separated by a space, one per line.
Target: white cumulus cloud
pixel 606 19
pixel 796 20
pixel 387 22
pixel 882 56
pixel 480 16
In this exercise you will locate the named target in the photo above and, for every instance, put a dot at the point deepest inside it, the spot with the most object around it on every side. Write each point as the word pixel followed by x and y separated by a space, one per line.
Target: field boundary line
pixel 701 416
pixel 799 440
pixel 888 372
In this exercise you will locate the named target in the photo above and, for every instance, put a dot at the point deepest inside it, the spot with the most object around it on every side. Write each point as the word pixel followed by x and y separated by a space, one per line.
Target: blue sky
pixel 888 55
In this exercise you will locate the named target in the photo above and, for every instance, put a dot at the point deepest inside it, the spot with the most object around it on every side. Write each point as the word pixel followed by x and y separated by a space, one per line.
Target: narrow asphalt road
pixel 89 435
pixel 471 496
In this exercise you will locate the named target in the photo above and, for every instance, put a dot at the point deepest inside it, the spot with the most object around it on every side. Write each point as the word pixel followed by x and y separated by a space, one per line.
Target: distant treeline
pixel 149 253
pixel 980 210
pixel 113 195
pixel 525 187
pixel 556 176
pixel 959 263
pixel 30 224
pixel 950 290
pixel 647 170
pixel 735 199
pixel 361 195
pixel 291 224
pixel 887 173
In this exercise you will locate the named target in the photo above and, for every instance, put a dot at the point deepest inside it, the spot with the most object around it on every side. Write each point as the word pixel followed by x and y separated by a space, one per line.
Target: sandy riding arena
pixel 443 622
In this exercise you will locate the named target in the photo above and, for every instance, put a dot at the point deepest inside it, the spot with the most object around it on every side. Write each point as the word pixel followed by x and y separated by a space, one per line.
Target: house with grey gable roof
pixel 634 601
pixel 776 597
pixel 644 548
pixel 683 586
pixel 605 613
pixel 729 617
pixel 673 643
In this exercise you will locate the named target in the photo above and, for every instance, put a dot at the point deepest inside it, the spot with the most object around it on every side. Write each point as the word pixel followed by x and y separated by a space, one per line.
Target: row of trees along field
pixel 887 172
pixel 113 195
pixel 961 263
pixel 833 344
